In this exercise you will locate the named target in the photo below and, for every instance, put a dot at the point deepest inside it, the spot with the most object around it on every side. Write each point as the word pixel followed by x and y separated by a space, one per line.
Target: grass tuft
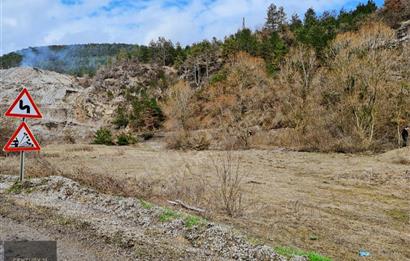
pixel 16 188
pixel 145 204
pixel 168 215
pixel 191 221
pixel 399 215
pixel 291 252
pixel 19 187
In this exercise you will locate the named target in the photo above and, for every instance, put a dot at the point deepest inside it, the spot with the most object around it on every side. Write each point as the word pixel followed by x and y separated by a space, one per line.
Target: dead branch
pixel 182 204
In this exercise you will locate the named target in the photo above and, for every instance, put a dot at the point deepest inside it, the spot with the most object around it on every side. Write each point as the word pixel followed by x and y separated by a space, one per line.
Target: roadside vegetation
pixel 291 252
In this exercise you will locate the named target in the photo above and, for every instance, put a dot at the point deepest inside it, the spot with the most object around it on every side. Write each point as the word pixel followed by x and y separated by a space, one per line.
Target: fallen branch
pixel 182 204
pixel 255 182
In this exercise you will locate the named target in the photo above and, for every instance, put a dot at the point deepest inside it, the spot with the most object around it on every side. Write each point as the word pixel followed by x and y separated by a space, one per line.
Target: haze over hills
pixel 71 59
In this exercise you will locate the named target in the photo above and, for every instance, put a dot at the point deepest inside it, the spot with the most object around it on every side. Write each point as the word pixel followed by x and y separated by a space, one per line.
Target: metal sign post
pixel 22 162
pixel 21 166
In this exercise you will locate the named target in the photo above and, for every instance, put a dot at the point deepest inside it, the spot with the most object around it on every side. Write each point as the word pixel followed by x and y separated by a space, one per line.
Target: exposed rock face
pixel 74 108
pixel 134 77
pixel 62 101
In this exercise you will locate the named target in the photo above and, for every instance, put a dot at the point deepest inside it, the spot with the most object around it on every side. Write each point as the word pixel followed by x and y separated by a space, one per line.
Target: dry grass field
pixel 334 204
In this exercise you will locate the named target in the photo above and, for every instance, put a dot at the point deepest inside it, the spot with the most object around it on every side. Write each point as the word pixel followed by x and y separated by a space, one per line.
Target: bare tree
pixel 300 68
pixel 230 183
pixel 178 105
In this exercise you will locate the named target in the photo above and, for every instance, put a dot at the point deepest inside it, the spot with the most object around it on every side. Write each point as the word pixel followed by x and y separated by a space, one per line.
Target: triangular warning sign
pixel 24 107
pixel 22 140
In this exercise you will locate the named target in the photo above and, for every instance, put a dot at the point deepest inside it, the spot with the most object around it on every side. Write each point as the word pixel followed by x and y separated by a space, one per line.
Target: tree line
pixel 271 42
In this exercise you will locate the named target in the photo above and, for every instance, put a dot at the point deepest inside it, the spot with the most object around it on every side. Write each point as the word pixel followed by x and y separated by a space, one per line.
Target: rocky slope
pixel 73 108
pixel 62 101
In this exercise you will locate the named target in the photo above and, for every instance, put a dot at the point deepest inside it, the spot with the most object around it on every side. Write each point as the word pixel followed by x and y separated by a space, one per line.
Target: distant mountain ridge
pixel 75 59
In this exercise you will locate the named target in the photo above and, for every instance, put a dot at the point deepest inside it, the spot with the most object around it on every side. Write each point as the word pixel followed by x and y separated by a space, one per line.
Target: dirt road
pixel 335 204
pixel 24 224
pixel 68 249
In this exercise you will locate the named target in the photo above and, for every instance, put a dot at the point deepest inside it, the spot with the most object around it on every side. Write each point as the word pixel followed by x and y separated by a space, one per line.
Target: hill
pixel 288 78
pixel 70 59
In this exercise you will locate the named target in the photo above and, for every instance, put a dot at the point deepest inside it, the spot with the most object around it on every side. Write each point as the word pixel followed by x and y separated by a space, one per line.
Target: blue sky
pixel 27 23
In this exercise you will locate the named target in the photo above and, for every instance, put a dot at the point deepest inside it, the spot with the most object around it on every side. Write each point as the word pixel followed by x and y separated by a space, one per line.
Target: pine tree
pixel 295 23
pixel 276 18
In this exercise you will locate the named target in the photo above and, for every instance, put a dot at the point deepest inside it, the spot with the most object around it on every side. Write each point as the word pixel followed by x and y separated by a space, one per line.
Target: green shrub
pixel 103 136
pixel 147 135
pixel 121 118
pixel 125 139
pixel 146 113
pixel 219 76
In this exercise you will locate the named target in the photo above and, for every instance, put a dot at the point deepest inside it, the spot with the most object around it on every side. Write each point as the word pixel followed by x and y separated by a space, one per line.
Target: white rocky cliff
pixel 68 110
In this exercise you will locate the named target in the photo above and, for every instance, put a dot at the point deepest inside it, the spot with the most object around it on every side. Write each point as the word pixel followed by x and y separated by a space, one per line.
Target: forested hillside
pixel 330 82
pixel 270 42
pixel 336 81
pixel 69 59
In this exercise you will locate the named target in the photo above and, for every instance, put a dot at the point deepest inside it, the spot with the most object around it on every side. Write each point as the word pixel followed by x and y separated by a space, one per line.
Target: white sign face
pixel 24 107
pixel 22 140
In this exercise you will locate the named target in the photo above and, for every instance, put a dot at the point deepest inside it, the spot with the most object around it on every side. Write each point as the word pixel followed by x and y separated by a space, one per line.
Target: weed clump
pixel 168 215
pixel 124 139
pixel 291 252
pixel 103 136
pixel 184 140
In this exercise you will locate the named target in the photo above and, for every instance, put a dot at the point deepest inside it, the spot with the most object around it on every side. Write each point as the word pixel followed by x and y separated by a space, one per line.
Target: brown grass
pixel 402 160
pixel 186 140
pixel 80 148
pixel 226 194
pixel 86 177
pixel 7 128
pixel 287 196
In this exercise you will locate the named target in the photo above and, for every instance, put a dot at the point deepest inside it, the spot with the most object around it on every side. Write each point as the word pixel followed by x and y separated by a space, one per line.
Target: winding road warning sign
pixel 24 107
pixel 22 140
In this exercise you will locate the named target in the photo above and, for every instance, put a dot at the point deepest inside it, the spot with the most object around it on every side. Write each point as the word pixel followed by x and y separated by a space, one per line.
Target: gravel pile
pixel 134 224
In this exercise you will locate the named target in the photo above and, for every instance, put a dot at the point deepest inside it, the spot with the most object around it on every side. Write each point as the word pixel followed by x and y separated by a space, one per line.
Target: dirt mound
pixel 135 224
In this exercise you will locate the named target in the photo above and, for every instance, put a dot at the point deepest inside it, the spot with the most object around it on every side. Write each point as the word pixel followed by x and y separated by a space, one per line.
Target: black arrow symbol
pixel 24 107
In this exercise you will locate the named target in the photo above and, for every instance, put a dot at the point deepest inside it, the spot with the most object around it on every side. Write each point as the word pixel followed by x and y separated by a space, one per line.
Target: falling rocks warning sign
pixel 22 140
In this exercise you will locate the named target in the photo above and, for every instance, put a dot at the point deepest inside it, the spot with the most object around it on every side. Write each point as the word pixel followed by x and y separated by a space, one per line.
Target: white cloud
pixel 43 22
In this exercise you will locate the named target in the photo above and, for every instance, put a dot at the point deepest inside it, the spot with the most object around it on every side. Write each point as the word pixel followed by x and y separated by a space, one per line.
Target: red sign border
pixel 15 115
pixel 30 134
